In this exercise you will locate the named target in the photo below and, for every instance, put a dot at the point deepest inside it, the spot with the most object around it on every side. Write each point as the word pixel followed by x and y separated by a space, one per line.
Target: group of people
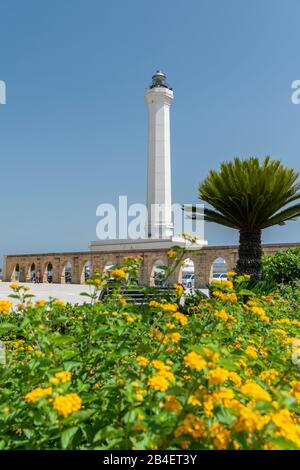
pixel 36 277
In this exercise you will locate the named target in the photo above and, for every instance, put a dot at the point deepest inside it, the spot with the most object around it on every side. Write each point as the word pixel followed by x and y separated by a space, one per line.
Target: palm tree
pixel 250 196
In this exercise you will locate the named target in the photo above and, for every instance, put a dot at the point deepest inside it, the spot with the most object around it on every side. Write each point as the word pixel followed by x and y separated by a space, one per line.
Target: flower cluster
pixel 160 381
pixel 67 404
pixel 60 377
pixel 37 393
pixel 5 306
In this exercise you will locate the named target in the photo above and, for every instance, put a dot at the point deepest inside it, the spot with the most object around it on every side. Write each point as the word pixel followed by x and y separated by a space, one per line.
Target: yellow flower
pixel 139 394
pixel 6 409
pixel 258 310
pixel 37 393
pixel 225 296
pixel 59 302
pixel 269 375
pixel 224 396
pixel 158 383
pixel 222 315
pixel 231 273
pixel 191 425
pixel 159 365
pixel 153 303
pixel 119 273
pixel 286 427
pixel 265 319
pixel 280 331
pixel 14 285
pixel 195 361
pixel 172 254
pixel 172 338
pixel 194 400
pixel 235 378
pixel 182 319
pixel 255 391
pixel 54 380
pixel 223 282
pixel 251 351
pixel 219 435
pixel 178 288
pixel 67 404
pixel 130 319
pixel 142 361
pixel 5 306
pixel 208 406
pixel 217 376
pixel 169 307
pixel 40 303
pixel 213 356
pixel 62 377
pixel 250 421
pixel 184 444
pixel 171 404
pixel 296 390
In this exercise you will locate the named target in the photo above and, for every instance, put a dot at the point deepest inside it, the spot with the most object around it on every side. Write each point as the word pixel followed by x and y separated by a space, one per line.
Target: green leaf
pixel 14 296
pixel 246 292
pixel 68 436
pixel 5 327
pixel 61 339
pixel 83 415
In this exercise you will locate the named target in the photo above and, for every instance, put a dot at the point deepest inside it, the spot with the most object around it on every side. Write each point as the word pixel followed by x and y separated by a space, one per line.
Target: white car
pixel 220 276
pixel 188 281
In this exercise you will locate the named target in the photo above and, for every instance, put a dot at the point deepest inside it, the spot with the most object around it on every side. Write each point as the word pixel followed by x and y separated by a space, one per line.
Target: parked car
pixel 220 276
pixel 188 280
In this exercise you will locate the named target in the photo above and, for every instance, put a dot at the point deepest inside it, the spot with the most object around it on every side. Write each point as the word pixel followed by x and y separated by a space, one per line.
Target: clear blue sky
pixel 73 133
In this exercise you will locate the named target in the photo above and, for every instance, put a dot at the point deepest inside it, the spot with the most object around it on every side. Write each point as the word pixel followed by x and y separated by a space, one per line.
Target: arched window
pixel 157 277
pixel 87 270
pixel 16 273
pixel 109 267
pixel 32 272
pixel 67 272
pixel 187 274
pixel 49 273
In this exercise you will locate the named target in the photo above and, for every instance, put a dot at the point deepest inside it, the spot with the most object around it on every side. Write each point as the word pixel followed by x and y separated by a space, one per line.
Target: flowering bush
pixel 218 373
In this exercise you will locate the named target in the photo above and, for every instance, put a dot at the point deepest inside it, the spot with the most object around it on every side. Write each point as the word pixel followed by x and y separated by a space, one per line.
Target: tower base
pixel 144 244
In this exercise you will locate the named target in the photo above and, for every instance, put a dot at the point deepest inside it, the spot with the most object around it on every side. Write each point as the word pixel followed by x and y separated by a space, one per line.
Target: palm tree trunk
pixel 250 252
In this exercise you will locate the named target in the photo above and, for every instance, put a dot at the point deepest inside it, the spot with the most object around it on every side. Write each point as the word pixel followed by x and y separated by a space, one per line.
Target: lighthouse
pixel 159 98
pixel 159 233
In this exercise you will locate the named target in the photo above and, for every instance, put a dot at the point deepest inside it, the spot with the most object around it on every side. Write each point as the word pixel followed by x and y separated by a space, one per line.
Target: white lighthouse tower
pixel 159 98
pixel 159 232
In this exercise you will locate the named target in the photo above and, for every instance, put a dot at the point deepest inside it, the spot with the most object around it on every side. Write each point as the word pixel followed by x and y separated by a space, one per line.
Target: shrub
pixel 218 373
pixel 283 267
